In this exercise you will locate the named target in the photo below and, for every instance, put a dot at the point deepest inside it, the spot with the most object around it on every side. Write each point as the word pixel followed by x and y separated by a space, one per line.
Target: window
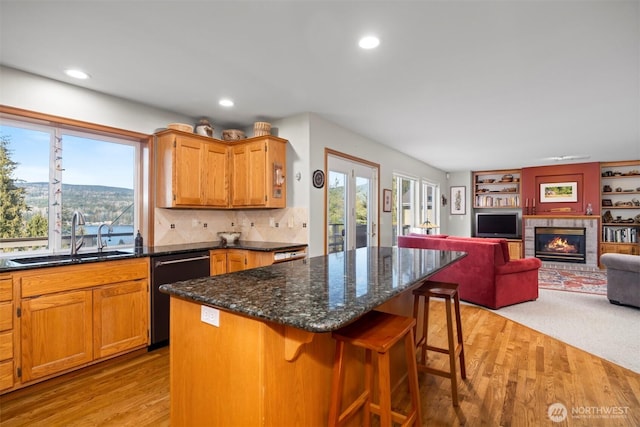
pixel 49 172
pixel 415 206
pixel 430 212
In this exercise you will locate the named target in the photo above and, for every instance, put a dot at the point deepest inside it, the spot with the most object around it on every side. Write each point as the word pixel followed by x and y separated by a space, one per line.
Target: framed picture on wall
pixel 559 192
pixel 458 198
pixel 386 200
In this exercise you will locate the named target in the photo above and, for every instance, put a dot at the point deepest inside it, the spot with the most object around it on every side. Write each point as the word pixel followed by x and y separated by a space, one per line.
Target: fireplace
pixel 561 244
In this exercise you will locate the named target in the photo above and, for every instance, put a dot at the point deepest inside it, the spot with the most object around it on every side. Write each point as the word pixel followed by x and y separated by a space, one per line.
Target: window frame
pixel 143 198
pixel 418 204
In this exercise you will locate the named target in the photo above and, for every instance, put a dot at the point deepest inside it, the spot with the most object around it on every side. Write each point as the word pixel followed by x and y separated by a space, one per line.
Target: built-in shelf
pixel 619 198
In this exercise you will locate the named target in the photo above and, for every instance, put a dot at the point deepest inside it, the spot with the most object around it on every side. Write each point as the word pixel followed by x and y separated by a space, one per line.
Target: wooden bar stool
pixel 375 331
pixel 447 291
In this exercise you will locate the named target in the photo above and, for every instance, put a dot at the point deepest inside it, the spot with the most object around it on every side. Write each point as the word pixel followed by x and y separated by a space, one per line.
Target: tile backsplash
pixel 178 226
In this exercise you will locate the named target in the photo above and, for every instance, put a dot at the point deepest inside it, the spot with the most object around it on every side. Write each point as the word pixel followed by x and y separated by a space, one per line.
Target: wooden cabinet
pixel 194 171
pixel 515 248
pixel 56 333
pixel 242 259
pixel 620 206
pixel 620 248
pixel 71 316
pixel 7 336
pixel 191 171
pixel 496 189
pixel 258 170
pixel 217 262
pixel 120 314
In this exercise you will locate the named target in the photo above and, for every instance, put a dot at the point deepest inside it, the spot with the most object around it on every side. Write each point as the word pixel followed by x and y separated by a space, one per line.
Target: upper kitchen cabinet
pixel 194 171
pixel 258 170
pixel 191 171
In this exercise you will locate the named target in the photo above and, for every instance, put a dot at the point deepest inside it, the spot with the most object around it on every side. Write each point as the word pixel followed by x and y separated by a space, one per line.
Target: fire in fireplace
pixel 561 244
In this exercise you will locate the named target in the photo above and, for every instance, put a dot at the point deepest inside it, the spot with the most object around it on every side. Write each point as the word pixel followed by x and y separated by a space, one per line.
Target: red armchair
pixel 486 276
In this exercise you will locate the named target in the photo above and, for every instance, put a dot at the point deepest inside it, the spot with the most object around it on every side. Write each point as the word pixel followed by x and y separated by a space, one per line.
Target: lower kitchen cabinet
pixel 241 259
pixel 217 262
pixel 7 334
pixel 73 316
pixel 56 333
pixel 120 315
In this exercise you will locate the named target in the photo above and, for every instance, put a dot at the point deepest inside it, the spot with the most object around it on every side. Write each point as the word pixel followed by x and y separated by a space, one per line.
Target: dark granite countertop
pixel 318 294
pixel 7 265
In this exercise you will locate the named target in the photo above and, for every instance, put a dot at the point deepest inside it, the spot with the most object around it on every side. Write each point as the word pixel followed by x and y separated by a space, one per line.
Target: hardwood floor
pixel 513 375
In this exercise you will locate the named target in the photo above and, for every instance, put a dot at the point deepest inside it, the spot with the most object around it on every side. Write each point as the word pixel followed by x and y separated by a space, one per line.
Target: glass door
pixel 351 204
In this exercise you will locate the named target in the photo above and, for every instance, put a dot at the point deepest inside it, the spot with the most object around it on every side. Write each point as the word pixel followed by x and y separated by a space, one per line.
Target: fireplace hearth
pixel 561 244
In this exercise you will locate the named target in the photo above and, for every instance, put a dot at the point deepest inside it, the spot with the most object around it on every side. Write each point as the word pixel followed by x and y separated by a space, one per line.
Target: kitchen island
pixel 254 348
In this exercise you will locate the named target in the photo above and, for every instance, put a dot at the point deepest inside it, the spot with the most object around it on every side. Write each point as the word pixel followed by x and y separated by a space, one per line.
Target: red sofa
pixel 486 276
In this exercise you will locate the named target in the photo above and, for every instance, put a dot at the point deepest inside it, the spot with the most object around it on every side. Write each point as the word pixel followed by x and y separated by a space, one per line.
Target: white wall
pixel 458 225
pixel 30 92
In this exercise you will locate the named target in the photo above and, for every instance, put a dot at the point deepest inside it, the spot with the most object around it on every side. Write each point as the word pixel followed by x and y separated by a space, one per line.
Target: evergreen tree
pixel 12 197
pixel 38 226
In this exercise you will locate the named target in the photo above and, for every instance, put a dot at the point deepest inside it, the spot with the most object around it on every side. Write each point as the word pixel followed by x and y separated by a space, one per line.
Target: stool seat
pixel 448 292
pixel 375 332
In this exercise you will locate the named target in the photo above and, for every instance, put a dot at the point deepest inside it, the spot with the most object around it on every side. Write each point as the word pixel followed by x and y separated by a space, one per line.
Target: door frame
pixel 330 152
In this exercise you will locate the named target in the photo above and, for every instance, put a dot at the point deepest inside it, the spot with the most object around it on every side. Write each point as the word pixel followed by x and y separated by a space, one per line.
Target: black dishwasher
pixel 169 269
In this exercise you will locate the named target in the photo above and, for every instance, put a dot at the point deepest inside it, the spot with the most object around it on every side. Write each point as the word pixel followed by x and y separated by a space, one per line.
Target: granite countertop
pixel 318 294
pixel 7 265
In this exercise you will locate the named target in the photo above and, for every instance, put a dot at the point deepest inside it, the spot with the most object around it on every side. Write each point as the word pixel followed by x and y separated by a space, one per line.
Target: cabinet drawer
pixel 60 279
pixel 6 316
pixel 6 289
pixel 6 345
pixel 6 374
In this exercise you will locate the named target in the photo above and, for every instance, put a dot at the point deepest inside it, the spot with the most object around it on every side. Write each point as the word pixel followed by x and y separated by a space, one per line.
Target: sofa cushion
pixel 504 245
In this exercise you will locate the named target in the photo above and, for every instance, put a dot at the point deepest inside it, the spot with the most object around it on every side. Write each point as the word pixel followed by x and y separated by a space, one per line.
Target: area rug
pixel 588 282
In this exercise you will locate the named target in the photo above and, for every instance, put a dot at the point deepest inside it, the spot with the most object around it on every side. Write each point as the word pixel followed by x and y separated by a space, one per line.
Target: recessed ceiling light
pixel 369 42
pixel 76 74
pixel 226 103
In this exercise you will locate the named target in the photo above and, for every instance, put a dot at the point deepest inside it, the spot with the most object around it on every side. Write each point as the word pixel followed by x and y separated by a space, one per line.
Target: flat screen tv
pixel 502 225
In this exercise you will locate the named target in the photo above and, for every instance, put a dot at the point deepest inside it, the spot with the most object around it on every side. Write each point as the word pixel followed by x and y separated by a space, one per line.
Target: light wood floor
pixel 513 375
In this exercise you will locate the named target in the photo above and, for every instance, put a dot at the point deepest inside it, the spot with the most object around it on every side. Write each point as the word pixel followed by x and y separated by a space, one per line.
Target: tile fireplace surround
pixel 590 223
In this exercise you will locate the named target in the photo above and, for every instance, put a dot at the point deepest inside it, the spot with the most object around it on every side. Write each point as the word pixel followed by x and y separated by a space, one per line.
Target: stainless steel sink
pixel 67 258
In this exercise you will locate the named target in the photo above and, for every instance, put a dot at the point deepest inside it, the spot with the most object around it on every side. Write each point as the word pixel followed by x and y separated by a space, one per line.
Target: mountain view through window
pixel 48 173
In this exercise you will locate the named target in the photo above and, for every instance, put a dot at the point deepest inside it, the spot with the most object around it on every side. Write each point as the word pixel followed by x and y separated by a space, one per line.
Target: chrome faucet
pixel 76 219
pixel 102 244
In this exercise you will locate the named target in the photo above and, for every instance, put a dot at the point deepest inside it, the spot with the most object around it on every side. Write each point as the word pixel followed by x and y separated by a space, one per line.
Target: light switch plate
pixel 210 315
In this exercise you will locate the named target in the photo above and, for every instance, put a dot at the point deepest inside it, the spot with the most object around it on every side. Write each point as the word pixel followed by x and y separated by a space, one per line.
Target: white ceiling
pixel 461 85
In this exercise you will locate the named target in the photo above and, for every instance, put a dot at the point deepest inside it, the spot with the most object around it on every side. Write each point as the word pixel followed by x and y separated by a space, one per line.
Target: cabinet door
pixel 188 169
pixel 239 175
pixel 6 374
pixel 257 178
pixel 120 318
pixel 236 260
pixel 217 262
pixel 56 333
pixel 216 172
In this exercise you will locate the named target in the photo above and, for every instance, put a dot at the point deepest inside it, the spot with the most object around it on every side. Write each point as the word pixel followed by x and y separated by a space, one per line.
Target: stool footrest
pixel 353 408
pixel 457 351
pixel 398 418
pixel 427 369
